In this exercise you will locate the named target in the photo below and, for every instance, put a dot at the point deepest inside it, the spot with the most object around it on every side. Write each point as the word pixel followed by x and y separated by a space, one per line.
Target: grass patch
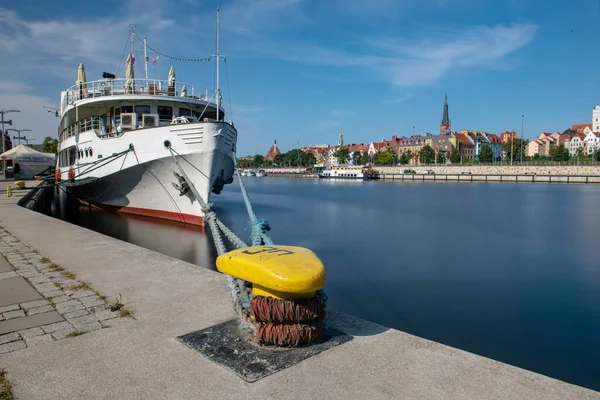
pixel 123 312
pixel 5 388
pixel 81 286
pixel 100 296
pixel 55 267
pixel 69 275
pixel 117 305
pixel 58 285
pixel 46 260
pixel 76 333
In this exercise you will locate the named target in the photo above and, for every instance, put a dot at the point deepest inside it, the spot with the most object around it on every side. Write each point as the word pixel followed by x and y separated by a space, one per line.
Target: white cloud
pixel 417 61
pixel 13 87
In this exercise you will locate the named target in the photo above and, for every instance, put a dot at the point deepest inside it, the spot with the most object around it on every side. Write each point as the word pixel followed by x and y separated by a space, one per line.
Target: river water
pixel 507 271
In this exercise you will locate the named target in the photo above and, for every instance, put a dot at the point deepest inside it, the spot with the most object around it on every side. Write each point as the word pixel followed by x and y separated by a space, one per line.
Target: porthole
pixel 86 152
pixel 91 154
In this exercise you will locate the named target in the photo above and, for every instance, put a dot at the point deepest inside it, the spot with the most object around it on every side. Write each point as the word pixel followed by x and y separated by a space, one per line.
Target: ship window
pixel 185 112
pixel 139 110
pixel 86 152
pixel 126 109
pixel 91 152
pixel 165 112
pixel 72 152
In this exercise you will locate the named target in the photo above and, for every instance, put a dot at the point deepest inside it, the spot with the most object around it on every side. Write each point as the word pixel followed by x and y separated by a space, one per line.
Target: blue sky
pixel 304 70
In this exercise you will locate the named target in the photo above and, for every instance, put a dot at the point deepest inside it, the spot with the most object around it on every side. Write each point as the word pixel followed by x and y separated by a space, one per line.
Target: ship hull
pixel 147 181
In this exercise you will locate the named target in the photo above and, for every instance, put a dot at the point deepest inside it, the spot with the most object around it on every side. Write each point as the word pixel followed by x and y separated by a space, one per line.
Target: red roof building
pixel 273 151
pixel 579 128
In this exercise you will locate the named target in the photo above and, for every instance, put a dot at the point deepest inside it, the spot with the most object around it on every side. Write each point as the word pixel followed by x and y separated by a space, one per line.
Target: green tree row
pixel 293 158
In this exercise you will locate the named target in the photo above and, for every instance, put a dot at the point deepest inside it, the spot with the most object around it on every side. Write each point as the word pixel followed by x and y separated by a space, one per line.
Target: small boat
pixel 261 173
pixel 349 172
pixel 243 173
pixel 251 173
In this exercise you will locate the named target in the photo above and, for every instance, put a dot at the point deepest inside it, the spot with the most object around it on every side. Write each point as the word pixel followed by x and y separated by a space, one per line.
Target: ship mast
pixel 131 29
pixel 218 56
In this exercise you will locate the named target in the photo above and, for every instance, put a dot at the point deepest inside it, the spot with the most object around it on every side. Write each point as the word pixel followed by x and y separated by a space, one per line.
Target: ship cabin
pixel 112 107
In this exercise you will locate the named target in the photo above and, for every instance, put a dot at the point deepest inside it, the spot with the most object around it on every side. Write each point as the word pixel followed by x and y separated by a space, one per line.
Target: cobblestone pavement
pixel 73 305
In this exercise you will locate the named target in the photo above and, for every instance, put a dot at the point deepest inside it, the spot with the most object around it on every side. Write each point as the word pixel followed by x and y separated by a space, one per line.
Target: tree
pixel 50 145
pixel 279 159
pixel 513 147
pixel 440 158
pixel 559 153
pixel 404 159
pixel 356 157
pixel 258 160
pixel 455 156
pixel 385 157
pixel 427 155
pixel 342 155
pixel 486 155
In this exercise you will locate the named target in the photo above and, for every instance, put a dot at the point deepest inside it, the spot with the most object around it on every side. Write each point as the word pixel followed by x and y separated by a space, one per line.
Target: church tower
pixel 341 140
pixel 446 125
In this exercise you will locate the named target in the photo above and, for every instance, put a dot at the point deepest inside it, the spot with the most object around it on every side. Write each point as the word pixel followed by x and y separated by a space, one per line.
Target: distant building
pixel 466 146
pixel 273 151
pixel 443 145
pixel 576 143
pixel 596 119
pixel 534 147
pixel 445 125
pixel 580 128
pixel 592 142
pixel 508 135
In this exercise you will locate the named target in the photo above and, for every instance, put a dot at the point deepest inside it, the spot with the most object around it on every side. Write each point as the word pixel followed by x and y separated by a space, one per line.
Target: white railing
pixel 136 87
pixel 81 126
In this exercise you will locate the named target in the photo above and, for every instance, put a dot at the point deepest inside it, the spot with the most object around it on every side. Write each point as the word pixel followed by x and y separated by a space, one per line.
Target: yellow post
pixel 9 191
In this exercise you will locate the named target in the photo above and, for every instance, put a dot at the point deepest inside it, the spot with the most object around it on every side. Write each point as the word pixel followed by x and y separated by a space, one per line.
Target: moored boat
pixel 349 172
pixel 121 140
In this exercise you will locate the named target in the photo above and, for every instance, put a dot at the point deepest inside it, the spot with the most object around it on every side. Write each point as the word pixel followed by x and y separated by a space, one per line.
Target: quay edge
pixel 140 359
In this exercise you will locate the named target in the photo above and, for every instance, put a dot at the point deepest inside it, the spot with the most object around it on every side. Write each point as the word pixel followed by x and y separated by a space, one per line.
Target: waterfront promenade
pixel 140 358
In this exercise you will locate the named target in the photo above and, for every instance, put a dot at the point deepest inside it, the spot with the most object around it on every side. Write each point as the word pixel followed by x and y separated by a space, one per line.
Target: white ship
pixel 349 172
pixel 120 137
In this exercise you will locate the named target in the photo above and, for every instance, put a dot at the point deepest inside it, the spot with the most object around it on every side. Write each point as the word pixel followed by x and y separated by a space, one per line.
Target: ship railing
pixel 136 87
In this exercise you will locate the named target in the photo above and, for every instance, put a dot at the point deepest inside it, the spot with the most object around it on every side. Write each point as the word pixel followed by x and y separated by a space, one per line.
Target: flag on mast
pixel 155 60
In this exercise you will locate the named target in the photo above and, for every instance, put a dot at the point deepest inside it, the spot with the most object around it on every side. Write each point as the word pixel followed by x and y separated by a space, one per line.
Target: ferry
pixel 349 172
pixel 121 140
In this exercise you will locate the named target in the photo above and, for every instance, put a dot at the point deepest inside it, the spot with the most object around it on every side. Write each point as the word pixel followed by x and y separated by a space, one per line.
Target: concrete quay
pixel 141 359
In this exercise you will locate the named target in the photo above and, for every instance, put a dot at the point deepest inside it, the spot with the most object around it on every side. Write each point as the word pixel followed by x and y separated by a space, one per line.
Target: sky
pixel 302 71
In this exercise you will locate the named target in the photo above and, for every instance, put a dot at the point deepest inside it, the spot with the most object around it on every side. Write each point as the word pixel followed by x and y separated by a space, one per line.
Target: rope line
pixel 182 59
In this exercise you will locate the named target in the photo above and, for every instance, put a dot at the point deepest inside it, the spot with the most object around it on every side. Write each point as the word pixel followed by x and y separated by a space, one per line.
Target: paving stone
pixel 38 310
pixel 54 293
pixel 98 308
pixel 39 279
pixel 58 335
pixel 29 333
pixel 59 326
pixel 75 307
pixel 60 279
pixel 14 314
pixel 12 346
pixel 30 274
pixel 69 303
pixel 38 340
pixel 11 337
pixel 36 303
pixel 82 293
pixel 75 314
pixel 106 315
pixel 86 319
pixel 11 307
pixel 89 327
pixel 44 287
pixel 61 299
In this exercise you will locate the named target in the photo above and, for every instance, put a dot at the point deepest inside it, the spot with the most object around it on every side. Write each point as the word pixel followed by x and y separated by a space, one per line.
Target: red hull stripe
pixel 146 212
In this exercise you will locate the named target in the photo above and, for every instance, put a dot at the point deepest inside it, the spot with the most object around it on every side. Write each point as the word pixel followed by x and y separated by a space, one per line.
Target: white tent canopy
pixel 22 151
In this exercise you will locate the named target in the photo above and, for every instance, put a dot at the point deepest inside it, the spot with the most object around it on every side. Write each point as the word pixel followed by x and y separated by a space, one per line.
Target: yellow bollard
pixel 9 191
pixel 20 184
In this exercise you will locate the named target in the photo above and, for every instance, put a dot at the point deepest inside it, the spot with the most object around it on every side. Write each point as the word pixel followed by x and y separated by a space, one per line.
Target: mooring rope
pixel 271 321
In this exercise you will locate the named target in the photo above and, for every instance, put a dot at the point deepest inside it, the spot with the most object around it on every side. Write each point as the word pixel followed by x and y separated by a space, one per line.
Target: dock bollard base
pixel 225 345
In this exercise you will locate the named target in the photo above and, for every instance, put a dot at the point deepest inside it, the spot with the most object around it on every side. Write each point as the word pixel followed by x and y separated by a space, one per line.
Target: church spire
pixel 445 125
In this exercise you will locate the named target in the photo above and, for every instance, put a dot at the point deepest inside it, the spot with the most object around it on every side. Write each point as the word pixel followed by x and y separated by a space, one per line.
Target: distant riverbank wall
pixel 556 170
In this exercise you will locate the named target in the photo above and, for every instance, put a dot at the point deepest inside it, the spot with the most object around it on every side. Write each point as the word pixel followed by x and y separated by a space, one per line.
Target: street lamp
pixel 19 137
pixel 2 122
pixel 522 137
